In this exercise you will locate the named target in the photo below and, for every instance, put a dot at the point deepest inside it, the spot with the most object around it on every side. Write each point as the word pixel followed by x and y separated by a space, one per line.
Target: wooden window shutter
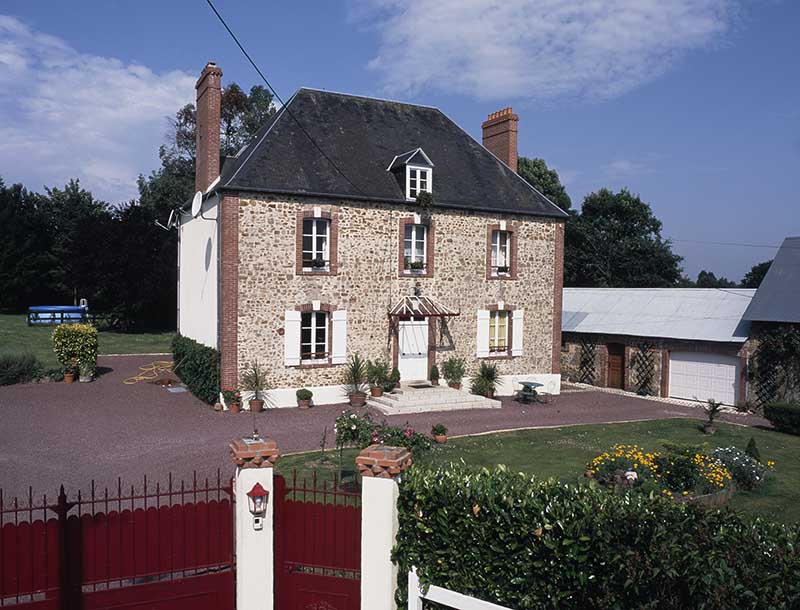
pixel 482 337
pixel 517 332
pixel 339 343
pixel 291 339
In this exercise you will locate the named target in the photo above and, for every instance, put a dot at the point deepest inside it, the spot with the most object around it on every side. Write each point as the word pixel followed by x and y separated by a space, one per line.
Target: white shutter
pixel 291 339
pixel 482 338
pixel 517 332
pixel 339 343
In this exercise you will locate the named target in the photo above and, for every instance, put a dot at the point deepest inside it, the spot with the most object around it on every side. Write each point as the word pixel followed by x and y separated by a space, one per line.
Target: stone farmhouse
pixel 311 245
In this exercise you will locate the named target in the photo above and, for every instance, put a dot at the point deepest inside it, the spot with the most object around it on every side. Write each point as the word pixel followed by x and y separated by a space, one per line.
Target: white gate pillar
pixel 254 457
pixel 380 467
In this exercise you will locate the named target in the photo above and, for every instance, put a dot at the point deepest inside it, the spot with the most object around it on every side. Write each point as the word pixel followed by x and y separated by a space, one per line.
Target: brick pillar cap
pixel 382 461
pixel 254 452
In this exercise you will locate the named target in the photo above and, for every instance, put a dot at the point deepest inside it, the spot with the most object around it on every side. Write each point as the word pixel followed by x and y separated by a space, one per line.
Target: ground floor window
pixel 498 332
pixel 314 335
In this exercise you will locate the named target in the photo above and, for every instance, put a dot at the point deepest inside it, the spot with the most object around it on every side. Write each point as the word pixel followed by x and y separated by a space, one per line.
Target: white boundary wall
pixel 197 275
pixel 451 599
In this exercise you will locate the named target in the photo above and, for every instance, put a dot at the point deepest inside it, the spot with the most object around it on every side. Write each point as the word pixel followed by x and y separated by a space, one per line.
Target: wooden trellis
pixel 587 370
pixel 765 374
pixel 644 368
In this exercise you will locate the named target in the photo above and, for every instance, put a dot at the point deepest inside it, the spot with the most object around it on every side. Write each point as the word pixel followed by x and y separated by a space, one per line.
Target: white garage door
pixel 703 376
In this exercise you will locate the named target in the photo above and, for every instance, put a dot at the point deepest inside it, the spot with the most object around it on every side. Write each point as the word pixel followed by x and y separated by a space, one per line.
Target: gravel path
pixel 53 433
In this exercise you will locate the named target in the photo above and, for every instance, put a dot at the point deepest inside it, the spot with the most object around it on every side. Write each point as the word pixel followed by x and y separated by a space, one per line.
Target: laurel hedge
pixel 197 365
pixel 785 417
pixel 525 543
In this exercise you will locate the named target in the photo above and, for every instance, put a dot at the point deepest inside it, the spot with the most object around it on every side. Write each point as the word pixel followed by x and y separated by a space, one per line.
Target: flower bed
pixel 353 430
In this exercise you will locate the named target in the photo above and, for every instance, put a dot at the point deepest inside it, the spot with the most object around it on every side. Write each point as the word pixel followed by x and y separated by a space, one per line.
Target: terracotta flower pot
pixel 455 386
pixel 304 404
pixel 357 400
pixel 234 407
pixel 489 394
pixel 377 391
pixel 434 382
pixel 440 438
pixel 256 406
pixel 69 377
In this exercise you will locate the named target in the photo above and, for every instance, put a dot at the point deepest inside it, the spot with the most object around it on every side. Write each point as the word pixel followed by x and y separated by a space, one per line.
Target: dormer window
pixel 418 180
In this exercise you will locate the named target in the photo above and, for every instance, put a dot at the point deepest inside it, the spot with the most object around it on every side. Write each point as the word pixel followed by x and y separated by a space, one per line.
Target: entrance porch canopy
pixel 421 306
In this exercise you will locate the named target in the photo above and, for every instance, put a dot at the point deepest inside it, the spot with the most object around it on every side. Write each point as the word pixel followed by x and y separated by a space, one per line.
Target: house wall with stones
pixel 572 348
pixel 368 282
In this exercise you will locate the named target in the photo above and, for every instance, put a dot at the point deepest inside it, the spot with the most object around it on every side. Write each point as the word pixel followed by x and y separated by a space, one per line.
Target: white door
pixel 412 356
pixel 699 376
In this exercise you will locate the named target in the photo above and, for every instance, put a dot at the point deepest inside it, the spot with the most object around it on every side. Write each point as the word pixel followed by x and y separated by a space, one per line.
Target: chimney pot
pixel 500 136
pixel 209 105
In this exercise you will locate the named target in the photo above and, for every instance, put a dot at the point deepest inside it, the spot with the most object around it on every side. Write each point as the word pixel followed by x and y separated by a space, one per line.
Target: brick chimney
pixel 500 136
pixel 209 101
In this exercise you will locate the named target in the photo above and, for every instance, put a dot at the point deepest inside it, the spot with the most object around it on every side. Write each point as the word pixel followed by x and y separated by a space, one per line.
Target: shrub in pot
pixel 712 409
pixel 355 381
pixel 76 344
pixel 434 375
pixel 454 369
pixel 393 381
pixel 377 376
pixel 485 382
pixel 232 399
pixel 439 432
pixel 70 370
pixel 304 397
pixel 255 380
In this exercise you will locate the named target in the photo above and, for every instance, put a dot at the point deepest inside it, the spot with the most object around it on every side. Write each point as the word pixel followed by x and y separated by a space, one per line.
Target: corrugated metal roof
pixel 778 297
pixel 703 314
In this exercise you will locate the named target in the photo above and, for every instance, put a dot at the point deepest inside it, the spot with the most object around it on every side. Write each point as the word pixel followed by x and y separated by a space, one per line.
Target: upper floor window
pixel 316 244
pixel 501 252
pixel 415 247
pixel 498 332
pixel 418 180
pixel 314 336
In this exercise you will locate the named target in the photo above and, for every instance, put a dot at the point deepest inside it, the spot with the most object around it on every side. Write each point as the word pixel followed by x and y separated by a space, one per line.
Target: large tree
pixel 616 241
pixel 544 180
pixel 755 276
pixel 707 279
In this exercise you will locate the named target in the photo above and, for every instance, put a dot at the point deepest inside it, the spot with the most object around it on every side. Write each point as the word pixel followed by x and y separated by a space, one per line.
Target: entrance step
pixel 424 398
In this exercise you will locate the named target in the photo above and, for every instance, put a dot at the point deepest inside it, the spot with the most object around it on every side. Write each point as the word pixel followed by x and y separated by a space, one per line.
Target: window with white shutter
pixel 482 337
pixel 518 322
pixel 291 338
pixel 339 344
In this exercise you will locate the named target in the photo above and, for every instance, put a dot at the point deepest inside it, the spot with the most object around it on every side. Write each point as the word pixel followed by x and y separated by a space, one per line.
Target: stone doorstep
pixel 471 402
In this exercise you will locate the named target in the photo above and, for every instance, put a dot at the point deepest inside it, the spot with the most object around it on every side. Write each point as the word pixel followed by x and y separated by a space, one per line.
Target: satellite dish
pixel 197 204
pixel 171 221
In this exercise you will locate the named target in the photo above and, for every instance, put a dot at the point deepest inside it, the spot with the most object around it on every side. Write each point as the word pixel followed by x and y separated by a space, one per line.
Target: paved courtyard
pixel 53 433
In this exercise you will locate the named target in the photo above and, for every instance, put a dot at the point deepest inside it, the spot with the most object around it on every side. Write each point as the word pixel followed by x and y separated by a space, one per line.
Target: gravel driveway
pixel 53 433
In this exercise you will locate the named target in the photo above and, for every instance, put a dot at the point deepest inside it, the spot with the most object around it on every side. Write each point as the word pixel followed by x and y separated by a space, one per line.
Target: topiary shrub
pixel 197 365
pixel 785 417
pixel 19 368
pixel 76 342
pixel 528 544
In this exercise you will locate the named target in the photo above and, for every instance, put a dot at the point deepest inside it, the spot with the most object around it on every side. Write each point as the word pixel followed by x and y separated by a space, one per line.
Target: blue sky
pixel 693 104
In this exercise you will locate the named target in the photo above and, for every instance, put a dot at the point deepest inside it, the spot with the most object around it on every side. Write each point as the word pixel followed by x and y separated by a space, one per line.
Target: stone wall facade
pixel 367 282
pixel 572 348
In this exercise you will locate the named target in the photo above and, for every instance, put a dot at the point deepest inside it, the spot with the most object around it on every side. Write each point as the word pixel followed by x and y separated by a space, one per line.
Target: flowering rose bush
pixel 353 430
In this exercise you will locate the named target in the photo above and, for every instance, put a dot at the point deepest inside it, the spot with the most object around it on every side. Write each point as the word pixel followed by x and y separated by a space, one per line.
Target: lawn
pixel 563 453
pixel 17 337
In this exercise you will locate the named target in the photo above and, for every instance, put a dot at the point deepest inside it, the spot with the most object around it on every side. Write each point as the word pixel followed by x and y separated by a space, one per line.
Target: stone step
pixel 430 399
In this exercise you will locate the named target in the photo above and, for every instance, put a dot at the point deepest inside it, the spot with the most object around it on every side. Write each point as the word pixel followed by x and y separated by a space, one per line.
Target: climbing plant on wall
pixel 586 368
pixel 644 368
pixel 774 366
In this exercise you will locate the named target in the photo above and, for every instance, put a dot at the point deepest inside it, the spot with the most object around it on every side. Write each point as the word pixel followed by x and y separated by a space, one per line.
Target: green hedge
pixel 197 365
pixel 785 417
pixel 524 543
pixel 19 368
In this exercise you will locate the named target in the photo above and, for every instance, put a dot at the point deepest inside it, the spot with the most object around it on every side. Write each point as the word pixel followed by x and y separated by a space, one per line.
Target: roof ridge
pixel 366 97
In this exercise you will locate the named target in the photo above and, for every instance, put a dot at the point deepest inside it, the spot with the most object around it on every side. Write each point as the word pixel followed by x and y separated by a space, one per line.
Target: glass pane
pixel 322 318
pixel 320 251
pixel 407 249
pixel 305 335
pixel 320 338
pixel 308 226
pixel 305 320
pixel 307 242
pixel 409 231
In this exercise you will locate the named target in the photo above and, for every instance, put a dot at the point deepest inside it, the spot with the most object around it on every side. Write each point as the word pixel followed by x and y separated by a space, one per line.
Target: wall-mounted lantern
pixel 257 499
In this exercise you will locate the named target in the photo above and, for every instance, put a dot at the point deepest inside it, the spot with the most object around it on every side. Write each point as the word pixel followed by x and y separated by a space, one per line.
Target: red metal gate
pixel 165 549
pixel 317 545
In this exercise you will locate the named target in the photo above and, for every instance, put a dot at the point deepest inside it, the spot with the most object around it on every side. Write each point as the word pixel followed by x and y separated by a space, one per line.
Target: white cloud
pixel 536 49
pixel 623 168
pixel 70 114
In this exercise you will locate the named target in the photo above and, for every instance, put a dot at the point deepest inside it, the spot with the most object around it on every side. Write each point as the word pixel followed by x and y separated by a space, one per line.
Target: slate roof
pixel 362 136
pixel 701 314
pixel 778 297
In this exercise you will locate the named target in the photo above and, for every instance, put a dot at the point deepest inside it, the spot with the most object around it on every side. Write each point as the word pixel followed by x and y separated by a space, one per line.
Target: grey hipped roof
pixel 702 314
pixel 778 297
pixel 362 136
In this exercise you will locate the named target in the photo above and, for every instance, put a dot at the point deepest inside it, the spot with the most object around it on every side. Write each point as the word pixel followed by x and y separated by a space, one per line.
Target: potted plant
pixel 85 372
pixel 304 398
pixel 319 263
pixel 255 380
pixel 355 381
pixel 454 369
pixel 434 375
pixel 377 376
pixel 502 269
pixel 69 370
pixel 232 399
pixel 393 381
pixel 712 409
pixel 485 382
pixel 439 432
pixel 417 265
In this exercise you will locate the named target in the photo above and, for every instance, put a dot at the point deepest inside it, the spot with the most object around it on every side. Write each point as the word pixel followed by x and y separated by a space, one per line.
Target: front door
pixel 412 353
pixel 616 366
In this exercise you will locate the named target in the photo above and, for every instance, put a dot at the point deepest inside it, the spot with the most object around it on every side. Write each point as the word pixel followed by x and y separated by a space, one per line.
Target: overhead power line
pixel 278 97
pixel 729 243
